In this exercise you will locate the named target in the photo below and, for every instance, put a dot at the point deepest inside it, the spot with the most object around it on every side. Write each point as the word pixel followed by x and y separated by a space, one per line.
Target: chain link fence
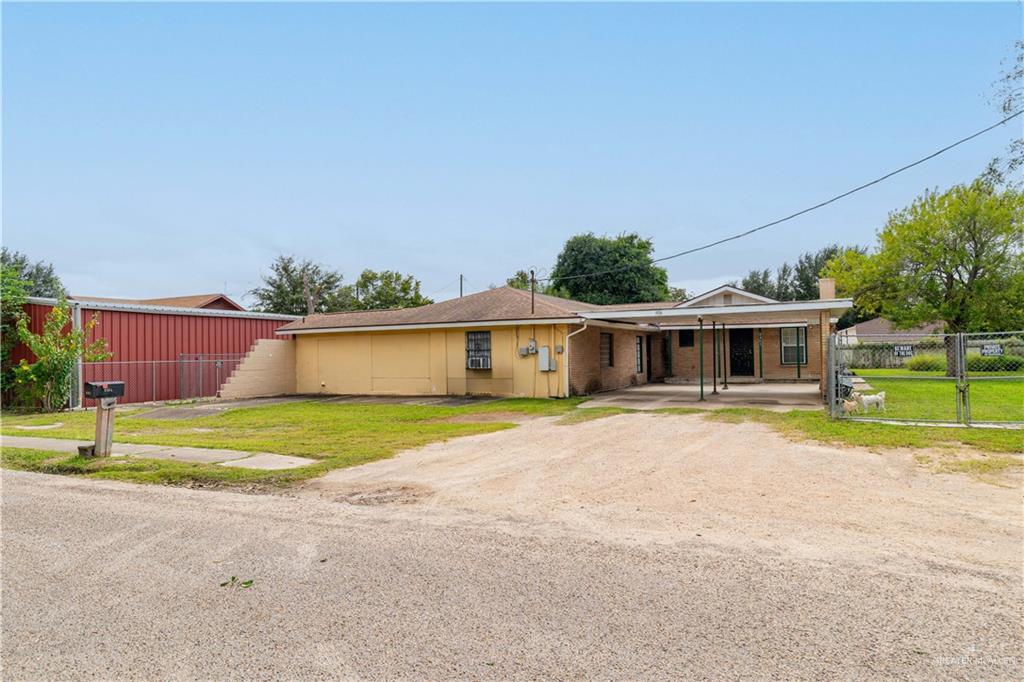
pixel 190 376
pixel 933 378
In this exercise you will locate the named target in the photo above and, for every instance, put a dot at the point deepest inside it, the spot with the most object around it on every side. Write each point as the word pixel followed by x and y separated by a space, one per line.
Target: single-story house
pixel 510 342
pixel 885 330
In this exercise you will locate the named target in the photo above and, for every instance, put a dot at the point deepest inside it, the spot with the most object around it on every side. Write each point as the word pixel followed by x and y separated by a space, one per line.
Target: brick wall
pixel 585 372
pixel 685 360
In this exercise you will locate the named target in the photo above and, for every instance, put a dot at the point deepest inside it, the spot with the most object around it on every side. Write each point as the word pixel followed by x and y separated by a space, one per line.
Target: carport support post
pixel 798 352
pixel 725 366
pixel 700 364
pixel 760 354
pixel 714 358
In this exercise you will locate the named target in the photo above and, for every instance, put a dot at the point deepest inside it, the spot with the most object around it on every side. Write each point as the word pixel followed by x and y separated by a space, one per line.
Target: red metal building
pixel 162 352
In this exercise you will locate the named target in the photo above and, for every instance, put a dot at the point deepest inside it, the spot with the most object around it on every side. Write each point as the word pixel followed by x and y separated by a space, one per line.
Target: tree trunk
pixel 951 355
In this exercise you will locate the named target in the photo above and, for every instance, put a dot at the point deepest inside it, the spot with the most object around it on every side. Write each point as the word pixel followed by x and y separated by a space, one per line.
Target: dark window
pixel 792 338
pixel 686 338
pixel 639 355
pixel 478 350
pixel 607 350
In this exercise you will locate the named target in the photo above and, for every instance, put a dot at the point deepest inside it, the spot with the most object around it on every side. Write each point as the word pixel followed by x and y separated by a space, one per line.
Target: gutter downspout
pixel 568 354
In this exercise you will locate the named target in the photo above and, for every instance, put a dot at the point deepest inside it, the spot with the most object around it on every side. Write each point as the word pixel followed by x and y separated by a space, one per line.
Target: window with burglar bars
pixel 478 350
pixel 607 351
pixel 793 339
pixel 639 355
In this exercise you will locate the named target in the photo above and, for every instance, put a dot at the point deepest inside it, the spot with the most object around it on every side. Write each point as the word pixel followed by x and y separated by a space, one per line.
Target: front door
pixel 741 352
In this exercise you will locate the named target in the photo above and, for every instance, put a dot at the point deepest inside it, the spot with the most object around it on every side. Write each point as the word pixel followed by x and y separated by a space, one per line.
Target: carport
pixel 759 353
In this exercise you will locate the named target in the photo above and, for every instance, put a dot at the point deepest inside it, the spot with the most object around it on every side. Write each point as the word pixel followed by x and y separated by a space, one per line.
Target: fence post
pixel 962 377
pixel 830 379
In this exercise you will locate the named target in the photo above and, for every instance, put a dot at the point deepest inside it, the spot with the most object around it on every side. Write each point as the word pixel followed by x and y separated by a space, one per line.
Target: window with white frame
pixel 794 340
pixel 478 350
pixel 607 350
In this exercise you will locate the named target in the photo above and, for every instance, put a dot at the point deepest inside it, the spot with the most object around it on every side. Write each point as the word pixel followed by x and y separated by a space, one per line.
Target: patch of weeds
pixel 985 465
pixel 679 410
pixel 234 583
pixel 590 414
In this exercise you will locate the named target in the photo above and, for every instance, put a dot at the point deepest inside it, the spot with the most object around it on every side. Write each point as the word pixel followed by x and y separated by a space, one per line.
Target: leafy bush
pixel 995 363
pixel 47 382
pixel 926 363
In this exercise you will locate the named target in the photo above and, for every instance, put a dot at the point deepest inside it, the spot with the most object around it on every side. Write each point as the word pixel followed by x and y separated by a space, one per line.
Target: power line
pixel 837 197
pixel 443 288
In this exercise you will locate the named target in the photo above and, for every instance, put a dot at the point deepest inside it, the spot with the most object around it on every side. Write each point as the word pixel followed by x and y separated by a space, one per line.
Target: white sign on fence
pixel 903 350
pixel 992 349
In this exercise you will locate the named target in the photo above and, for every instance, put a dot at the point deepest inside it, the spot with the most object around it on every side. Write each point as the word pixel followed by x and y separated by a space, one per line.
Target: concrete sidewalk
pixel 232 458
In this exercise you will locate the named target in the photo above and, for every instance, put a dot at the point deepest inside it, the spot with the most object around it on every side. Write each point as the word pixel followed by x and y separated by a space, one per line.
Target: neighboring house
pixel 205 301
pixel 164 348
pixel 509 342
pixel 882 327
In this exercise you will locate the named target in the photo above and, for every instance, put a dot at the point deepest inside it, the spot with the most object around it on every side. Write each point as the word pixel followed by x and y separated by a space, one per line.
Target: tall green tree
pixel 1008 97
pixel 387 289
pixel 294 287
pixel 955 256
pixel 797 282
pixel 520 280
pixel 12 299
pixel 581 271
pixel 39 276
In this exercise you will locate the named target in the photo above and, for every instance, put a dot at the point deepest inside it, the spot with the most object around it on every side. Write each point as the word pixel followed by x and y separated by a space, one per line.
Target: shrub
pixel 995 363
pixel 47 382
pixel 926 363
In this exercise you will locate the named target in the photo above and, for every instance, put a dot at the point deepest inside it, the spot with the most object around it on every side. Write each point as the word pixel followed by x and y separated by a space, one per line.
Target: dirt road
pixel 645 556
pixel 115 580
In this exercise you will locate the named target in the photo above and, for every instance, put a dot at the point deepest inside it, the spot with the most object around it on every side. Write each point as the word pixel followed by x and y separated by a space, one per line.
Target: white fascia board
pixel 752 325
pixel 725 288
pixel 432 325
pixel 741 309
pixel 166 309
pixel 633 326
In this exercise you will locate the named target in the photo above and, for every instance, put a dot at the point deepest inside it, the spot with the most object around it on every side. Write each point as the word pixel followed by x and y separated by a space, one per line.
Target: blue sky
pixel 154 150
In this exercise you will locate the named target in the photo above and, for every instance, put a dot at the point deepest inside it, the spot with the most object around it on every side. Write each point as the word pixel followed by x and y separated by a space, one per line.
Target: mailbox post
pixel 106 393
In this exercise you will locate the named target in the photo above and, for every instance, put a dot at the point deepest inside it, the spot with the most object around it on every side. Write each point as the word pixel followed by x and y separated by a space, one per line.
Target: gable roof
pixel 725 289
pixel 882 326
pixel 192 301
pixel 494 305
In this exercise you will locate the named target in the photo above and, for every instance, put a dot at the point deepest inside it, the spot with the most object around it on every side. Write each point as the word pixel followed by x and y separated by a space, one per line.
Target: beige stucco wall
pixel 268 369
pixel 428 362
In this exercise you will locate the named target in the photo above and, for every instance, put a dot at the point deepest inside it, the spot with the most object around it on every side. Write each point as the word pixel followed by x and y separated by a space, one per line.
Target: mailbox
pixel 104 389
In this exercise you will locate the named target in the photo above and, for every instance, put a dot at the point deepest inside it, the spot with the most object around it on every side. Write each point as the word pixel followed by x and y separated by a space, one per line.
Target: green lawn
pixel 336 434
pixel 991 399
pixel 340 435
pixel 813 425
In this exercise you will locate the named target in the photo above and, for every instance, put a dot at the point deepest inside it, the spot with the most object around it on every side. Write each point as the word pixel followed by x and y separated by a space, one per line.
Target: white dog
pixel 867 401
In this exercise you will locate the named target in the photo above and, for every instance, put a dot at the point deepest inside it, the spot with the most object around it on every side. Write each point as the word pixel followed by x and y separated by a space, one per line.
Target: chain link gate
pixel 971 379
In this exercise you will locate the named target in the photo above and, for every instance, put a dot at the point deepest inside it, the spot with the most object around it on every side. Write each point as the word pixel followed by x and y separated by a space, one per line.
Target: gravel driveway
pixel 110 580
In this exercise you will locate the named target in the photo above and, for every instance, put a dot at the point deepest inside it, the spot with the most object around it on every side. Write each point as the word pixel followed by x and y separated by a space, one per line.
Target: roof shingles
pixel 493 305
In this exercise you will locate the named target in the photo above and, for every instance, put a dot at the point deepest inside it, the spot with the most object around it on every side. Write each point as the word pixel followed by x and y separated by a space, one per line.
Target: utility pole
pixel 533 291
pixel 460 286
